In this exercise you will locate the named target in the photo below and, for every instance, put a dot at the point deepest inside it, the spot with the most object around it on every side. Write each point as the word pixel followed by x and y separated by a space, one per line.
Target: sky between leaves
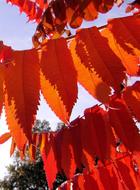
pixel 17 32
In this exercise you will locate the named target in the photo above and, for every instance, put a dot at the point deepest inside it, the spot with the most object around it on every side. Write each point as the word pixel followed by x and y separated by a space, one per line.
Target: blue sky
pixel 16 32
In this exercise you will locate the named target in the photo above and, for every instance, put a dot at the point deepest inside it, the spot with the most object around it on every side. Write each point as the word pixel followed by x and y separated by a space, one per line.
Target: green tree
pixel 27 175
pixel 40 127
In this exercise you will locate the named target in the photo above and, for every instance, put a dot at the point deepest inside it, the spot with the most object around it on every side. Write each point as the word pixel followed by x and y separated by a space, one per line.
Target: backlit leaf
pixel 88 78
pixel 96 55
pixel 125 128
pixel 58 78
pixel 4 137
pixel 98 126
pixel 129 60
pixel 22 94
pixel 132 98
pixel 126 33
pixel 49 160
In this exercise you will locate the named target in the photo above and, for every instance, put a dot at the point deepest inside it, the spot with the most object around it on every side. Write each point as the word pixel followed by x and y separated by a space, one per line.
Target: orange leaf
pixel 12 148
pixel 58 78
pixel 129 60
pixel 126 32
pixel 90 12
pixel 43 141
pixel 88 78
pixel 13 125
pixel 132 98
pixel 32 148
pixel 4 137
pixel 22 94
pixel 42 3
pixel 50 165
pixel 96 55
pixel 73 20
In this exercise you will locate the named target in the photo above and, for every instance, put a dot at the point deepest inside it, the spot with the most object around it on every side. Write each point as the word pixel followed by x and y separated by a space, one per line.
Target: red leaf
pixel 123 124
pixel 126 33
pixel 57 149
pixel 90 181
pixel 91 81
pixel 27 7
pixel 1 88
pixel 78 182
pixel 76 142
pixel 127 173
pixel 58 78
pixel 6 54
pixel 135 163
pixel 97 123
pixel 22 94
pixel 90 12
pixel 73 19
pixel 132 98
pixel 67 155
pixel 88 153
pixel 96 55
pixel 5 58
pixel 129 60
pixel 59 10
pixel 42 3
pixel 105 5
pixel 109 178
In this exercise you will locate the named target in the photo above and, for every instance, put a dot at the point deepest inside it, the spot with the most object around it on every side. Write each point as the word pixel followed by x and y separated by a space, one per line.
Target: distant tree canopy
pixel 39 126
pixel 44 126
pixel 27 175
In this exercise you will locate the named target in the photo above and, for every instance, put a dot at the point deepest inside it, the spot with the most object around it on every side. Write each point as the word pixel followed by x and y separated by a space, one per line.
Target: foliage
pixel 97 141
pixel 104 73
pixel 25 175
pixel 99 144
pixel 39 126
